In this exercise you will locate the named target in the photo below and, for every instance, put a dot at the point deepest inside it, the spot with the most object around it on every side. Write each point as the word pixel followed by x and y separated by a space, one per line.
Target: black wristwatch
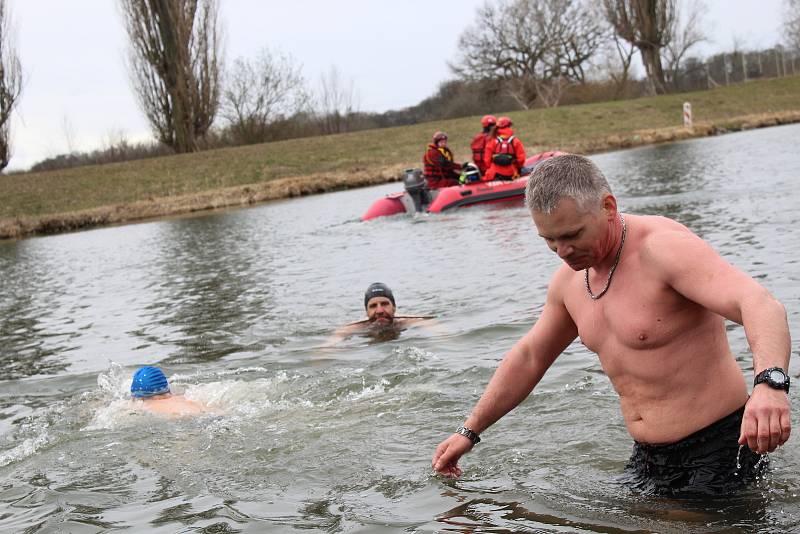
pixel 469 434
pixel 774 377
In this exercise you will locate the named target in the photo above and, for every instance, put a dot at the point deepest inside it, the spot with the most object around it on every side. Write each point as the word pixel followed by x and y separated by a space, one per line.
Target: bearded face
pixel 380 311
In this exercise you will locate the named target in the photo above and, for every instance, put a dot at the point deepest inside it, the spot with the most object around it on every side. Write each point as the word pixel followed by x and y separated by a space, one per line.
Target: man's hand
pixel 766 423
pixel 445 459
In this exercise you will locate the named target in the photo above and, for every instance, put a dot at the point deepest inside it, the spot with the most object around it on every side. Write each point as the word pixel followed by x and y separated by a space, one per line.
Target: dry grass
pixel 82 197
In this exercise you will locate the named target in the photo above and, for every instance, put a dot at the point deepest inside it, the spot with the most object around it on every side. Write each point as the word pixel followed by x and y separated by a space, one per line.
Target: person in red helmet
pixel 504 155
pixel 440 170
pixel 478 144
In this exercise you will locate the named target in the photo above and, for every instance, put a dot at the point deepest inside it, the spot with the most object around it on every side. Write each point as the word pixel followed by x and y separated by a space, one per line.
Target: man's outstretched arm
pixel 516 376
pixel 343 333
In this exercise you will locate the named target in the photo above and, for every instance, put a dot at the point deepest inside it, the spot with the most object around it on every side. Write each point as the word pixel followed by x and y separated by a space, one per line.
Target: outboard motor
pixel 417 189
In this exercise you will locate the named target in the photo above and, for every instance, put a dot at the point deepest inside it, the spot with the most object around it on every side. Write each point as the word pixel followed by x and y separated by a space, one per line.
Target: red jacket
pixel 478 147
pixel 505 143
pixel 439 168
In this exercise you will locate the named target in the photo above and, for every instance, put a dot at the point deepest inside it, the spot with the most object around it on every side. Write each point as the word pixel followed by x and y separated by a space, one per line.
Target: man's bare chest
pixel 634 314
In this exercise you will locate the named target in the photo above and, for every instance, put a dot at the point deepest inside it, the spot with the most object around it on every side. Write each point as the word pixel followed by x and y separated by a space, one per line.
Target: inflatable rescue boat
pixel 418 198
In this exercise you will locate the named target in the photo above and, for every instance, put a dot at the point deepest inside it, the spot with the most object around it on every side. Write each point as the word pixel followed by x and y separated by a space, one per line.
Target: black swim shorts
pixel 708 462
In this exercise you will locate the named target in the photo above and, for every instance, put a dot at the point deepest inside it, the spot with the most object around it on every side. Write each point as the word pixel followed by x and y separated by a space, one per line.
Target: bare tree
pixel 260 92
pixel 174 63
pixel 535 46
pixel 336 102
pixel 615 57
pixel 10 83
pixel 550 91
pixel 613 65
pixel 577 35
pixel 69 135
pixel 645 24
pixel 792 24
pixel 738 51
pixel 685 31
pixel 621 76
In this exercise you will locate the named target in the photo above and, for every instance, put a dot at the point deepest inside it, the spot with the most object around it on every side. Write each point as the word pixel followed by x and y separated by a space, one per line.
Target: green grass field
pixel 580 127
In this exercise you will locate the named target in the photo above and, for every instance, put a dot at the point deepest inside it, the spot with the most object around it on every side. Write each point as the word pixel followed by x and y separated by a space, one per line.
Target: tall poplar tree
pixel 10 84
pixel 647 25
pixel 175 63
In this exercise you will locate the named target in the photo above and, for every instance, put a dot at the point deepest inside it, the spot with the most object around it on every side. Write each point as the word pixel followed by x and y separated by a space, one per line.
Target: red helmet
pixel 503 122
pixel 488 120
pixel 438 136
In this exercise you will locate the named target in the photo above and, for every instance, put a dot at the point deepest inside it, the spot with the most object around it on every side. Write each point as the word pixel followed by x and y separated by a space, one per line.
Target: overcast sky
pixel 77 94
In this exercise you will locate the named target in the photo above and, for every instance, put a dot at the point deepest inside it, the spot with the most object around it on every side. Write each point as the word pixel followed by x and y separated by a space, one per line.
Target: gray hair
pixel 567 176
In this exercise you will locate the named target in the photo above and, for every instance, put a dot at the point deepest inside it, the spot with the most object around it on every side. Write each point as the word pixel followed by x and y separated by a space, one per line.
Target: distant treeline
pixel 457 98
pixel 516 54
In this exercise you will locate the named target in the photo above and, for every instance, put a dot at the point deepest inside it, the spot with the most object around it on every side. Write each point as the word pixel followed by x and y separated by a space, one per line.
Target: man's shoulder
pixel 175 405
pixel 654 223
pixel 654 230
pixel 562 278
pixel 665 244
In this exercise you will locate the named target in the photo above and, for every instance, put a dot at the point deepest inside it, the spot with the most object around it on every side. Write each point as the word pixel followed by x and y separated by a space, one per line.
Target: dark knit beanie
pixel 378 290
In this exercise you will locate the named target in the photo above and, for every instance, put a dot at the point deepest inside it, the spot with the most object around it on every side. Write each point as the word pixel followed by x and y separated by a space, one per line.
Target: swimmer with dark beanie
pixel 382 322
pixel 380 305
pixel 151 387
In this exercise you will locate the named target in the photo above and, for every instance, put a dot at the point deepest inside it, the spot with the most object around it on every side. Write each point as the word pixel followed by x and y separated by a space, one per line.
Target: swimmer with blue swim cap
pixel 150 385
pixel 149 381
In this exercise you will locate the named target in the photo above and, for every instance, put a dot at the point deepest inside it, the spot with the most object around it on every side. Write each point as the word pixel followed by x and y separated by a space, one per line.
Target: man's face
pixel 581 238
pixel 380 311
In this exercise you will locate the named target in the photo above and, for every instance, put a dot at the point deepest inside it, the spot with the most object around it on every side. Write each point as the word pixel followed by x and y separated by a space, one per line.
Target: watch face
pixel 776 377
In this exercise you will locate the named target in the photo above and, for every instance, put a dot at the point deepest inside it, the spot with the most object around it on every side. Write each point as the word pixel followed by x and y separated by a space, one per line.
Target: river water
pixel 236 305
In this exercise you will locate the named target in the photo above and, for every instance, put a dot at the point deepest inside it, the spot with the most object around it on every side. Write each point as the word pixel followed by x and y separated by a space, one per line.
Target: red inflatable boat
pixel 417 197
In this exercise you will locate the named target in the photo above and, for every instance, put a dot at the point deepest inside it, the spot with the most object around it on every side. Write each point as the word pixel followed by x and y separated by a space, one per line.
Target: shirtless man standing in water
pixel 650 298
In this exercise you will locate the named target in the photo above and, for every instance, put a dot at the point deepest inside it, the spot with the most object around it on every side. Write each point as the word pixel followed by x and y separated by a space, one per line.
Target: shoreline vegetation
pixel 99 195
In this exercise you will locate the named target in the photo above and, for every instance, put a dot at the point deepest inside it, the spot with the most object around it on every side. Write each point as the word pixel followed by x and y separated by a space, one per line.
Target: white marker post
pixel 687 115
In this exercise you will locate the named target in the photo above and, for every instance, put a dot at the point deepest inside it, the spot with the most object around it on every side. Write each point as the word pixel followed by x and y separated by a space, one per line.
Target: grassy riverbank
pixel 54 201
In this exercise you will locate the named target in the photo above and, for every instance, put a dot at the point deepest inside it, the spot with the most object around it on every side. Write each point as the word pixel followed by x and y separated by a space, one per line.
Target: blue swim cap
pixel 149 381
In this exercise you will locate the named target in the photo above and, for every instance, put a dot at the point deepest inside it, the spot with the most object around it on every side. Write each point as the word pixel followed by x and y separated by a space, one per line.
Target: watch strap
pixel 762 377
pixel 469 434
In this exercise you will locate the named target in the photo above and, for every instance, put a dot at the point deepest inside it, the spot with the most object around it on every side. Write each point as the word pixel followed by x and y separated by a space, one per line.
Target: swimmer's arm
pixel 343 333
pixel 433 326
pixel 703 276
pixel 428 322
pixel 334 338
